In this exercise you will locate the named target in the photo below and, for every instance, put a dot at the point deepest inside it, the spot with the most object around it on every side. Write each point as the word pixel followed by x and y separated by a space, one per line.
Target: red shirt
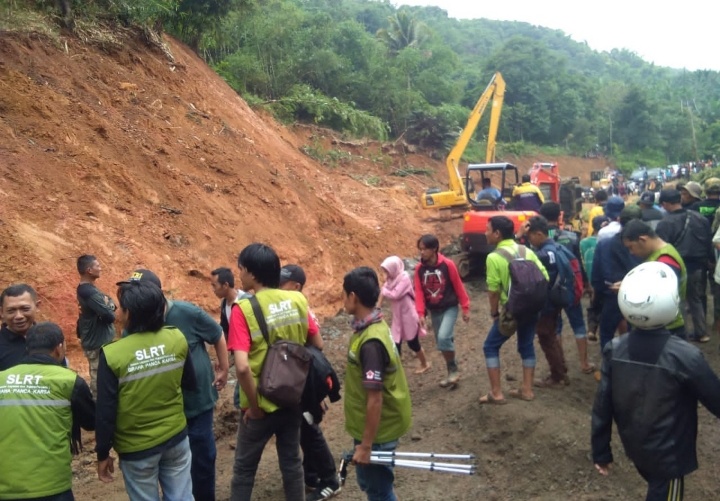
pixel 239 335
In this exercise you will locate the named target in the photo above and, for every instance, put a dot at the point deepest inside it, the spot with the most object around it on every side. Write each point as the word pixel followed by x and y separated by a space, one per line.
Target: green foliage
pixel 306 105
pixel 706 174
pixel 331 158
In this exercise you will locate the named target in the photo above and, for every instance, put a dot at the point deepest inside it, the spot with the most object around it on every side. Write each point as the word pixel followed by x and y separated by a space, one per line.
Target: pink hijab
pixel 395 269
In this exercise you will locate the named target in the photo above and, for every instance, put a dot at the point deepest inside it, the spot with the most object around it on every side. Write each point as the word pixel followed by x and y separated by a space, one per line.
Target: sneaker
pixel 324 492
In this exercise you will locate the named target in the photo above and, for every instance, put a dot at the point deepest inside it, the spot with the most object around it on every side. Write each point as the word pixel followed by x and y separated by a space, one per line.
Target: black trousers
pixel 318 462
pixel 664 489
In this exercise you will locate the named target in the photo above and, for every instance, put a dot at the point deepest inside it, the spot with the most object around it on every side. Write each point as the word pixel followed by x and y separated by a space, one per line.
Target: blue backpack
pixel 563 290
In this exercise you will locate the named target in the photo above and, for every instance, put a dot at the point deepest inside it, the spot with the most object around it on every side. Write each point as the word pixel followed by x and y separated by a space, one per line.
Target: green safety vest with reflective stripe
pixel 149 367
pixel 396 414
pixel 286 314
pixel 669 250
pixel 35 431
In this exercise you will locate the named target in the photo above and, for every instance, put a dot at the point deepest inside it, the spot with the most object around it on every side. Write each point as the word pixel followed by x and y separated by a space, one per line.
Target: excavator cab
pixel 474 246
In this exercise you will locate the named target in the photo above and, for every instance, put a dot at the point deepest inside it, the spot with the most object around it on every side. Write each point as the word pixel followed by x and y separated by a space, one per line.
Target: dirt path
pixel 536 450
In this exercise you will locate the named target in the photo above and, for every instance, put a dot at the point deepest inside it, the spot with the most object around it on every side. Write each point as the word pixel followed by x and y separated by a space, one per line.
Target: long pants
pixel 550 344
pixel 694 299
pixel 93 358
pixel 284 424
pixel 609 319
pixel 202 446
pixel 318 462
pixel 664 489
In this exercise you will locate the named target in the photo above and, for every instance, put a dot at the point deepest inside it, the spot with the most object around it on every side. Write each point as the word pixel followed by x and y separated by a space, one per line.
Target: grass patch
pixel 16 19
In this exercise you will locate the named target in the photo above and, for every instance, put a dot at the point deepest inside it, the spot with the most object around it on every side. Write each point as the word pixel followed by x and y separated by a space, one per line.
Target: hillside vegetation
pixel 367 68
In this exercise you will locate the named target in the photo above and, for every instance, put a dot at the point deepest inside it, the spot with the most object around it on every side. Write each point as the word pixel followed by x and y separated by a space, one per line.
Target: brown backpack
pixel 286 366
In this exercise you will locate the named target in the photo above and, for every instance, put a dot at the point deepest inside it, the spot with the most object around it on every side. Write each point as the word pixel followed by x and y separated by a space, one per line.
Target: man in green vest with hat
pixel 42 408
pixel 642 241
pixel 140 402
pixel 377 400
pixel 287 317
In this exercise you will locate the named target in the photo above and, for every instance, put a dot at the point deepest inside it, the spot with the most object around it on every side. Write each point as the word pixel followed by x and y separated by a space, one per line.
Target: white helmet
pixel 648 296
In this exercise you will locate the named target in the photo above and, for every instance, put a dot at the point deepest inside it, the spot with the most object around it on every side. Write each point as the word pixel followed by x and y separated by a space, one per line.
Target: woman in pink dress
pixel 406 325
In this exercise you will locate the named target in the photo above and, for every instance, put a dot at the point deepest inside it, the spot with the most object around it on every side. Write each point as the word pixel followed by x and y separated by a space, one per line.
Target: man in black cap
pixel 198 328
pixel 689 233
pixel 650 214
pixel 318 462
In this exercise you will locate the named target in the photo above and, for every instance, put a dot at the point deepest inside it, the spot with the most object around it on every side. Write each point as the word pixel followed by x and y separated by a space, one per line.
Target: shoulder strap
pixel 521 251
pixel 260 317
pixel 685 228
pixel 506 254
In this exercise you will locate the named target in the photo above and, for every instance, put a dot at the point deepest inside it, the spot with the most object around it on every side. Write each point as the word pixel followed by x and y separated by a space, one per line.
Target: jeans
pixel 376 480
pixel 318 462
pixel 171 468
pixel 550 343
pixel 252 437
pixel 443 322
pixel 574 314
pixel 202 445
pixel 694 299
pixel 495 340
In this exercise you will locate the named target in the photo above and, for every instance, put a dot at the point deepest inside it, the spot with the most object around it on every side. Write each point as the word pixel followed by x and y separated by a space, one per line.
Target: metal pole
pixel 425 466
pixel 431 464
pixel 422 455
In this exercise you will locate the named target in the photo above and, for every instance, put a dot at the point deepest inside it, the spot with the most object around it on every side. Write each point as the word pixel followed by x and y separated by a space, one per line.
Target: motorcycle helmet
pixel 648 295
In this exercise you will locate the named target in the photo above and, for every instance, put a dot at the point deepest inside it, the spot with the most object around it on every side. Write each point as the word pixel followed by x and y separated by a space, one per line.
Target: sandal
pixel 423 370
pixel 590 369
pixel 489 399
pixel 517 393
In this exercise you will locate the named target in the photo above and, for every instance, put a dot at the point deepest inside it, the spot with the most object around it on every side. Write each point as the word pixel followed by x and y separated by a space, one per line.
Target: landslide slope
pixel 120 152
pixel 117 150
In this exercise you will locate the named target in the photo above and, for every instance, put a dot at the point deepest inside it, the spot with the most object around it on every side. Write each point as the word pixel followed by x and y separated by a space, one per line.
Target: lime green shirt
pixel 498 268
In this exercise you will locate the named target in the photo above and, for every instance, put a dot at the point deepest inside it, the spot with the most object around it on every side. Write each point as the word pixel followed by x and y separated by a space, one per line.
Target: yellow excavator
pixel 456 196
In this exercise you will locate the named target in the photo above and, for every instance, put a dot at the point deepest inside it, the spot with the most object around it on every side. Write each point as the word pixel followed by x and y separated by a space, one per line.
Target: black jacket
pixel 651 384
pixel 689 233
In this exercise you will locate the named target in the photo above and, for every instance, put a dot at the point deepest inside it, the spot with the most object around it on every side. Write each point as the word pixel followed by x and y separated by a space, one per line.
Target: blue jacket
pixel 611 263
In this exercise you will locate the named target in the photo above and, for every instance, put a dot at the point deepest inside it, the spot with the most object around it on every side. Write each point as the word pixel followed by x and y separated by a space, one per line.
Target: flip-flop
pixel 590 369
pixel 423 370
pixel 518 394
pixel 489 399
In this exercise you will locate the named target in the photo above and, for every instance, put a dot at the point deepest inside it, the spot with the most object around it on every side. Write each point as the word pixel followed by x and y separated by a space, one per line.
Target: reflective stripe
pixel 256 333
pixel 35 403
pixel 152 372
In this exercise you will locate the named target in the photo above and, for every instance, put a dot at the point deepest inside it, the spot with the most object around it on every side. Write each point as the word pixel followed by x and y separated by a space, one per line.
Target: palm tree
pixel 404 31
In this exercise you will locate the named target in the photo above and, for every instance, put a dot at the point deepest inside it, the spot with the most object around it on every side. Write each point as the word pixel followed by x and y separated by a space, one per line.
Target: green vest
pixel 669 250
pixel 396 416
pixel 36 422
pixel 286 314
pixel 149 367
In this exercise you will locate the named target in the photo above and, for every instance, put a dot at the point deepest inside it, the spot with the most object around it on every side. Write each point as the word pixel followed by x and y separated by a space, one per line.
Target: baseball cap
pixel 694 189
pixel 292 273
pixel 614 206
pixel 647 198
pixel 670 195
pixel 142 275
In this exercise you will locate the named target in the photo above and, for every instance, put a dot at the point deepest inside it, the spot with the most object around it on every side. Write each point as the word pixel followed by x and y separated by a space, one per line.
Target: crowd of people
pixel 153 386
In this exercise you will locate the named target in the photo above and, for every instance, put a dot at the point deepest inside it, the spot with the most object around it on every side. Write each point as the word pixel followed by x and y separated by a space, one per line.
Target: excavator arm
pixel 456 196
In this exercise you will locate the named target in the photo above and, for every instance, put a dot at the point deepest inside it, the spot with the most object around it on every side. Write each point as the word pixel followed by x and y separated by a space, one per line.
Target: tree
pixel 404 31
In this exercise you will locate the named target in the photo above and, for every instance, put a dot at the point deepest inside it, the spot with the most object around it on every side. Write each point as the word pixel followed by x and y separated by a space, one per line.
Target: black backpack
pixel 322 382
pixel 528 286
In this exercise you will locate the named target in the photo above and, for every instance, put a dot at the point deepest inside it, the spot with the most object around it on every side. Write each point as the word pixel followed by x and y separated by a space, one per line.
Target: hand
pixel 253 413
pixel 221 377
pixel 603 469
pixel 361 454
pixel 466 317
pixel 105 469
pixel 615 287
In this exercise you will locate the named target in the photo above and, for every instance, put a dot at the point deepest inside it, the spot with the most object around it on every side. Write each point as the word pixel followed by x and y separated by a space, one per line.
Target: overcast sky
pixel 681 34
